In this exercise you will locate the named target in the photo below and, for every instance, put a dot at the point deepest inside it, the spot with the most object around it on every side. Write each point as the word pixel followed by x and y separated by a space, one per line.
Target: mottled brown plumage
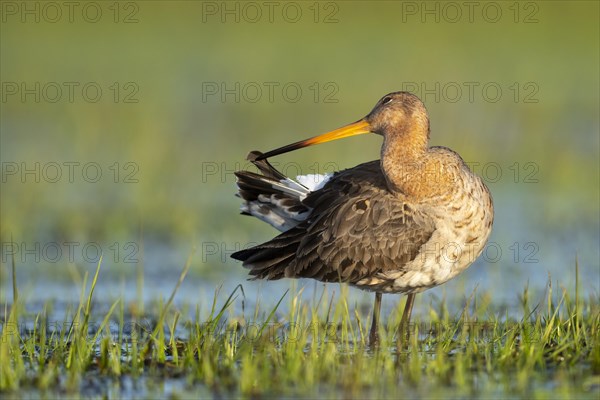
pixel 402 224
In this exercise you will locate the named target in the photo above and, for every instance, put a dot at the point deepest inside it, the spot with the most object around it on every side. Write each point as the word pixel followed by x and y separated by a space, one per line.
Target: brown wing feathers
pixel 269 260
pixel 355 229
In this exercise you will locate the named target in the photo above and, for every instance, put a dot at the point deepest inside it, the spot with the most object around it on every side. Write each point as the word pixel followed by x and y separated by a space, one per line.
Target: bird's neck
pixel 410 168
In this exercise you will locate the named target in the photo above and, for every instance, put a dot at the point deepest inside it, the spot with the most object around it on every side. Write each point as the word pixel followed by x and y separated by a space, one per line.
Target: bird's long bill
pixel 356 128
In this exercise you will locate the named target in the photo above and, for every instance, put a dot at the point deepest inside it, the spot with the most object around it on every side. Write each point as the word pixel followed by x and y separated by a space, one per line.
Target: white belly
pixel 458 240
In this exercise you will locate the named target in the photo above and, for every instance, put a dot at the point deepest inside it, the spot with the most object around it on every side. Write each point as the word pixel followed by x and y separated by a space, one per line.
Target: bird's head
pixel 396 114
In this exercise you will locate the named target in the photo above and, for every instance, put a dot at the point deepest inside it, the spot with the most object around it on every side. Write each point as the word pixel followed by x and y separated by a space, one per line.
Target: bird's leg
pixel 404 327
pixel 374 336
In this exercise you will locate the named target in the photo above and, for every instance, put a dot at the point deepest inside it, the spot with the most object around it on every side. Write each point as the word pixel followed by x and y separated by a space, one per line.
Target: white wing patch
pixel 313 181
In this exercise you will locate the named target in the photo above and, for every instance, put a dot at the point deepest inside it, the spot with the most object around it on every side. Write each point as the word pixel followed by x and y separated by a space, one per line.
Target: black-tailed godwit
pixel 405 223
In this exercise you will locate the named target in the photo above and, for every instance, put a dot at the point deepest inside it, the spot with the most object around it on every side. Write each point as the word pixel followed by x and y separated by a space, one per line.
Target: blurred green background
pixel 188 88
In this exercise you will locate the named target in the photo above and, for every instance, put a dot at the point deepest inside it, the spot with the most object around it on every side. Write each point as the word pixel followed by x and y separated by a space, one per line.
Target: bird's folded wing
pixel 357 229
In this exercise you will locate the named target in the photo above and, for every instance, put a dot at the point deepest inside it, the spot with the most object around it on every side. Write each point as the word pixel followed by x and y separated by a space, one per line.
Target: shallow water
pixel 522 250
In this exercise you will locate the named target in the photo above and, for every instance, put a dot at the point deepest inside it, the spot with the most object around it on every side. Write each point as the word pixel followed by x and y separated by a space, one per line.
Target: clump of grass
pixel 316 347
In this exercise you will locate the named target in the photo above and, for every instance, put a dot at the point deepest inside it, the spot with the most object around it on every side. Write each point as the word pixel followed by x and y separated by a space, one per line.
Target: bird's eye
pixel 386 100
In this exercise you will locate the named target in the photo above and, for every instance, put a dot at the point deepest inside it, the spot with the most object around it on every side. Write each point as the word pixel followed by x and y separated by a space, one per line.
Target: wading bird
pixel 405 223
